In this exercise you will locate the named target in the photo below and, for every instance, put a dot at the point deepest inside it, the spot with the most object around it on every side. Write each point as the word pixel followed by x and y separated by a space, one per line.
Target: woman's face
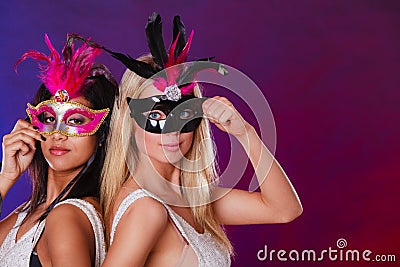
pixel 163 148
pixel 65 153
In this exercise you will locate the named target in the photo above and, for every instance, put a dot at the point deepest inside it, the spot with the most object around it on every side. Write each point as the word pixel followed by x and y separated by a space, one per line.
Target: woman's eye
pixel 47 118
pixel 155 115
pixel 76 120
pixel 186 114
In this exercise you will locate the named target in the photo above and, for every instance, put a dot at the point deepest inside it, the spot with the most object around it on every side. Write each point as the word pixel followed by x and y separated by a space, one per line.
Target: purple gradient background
pixel 329 69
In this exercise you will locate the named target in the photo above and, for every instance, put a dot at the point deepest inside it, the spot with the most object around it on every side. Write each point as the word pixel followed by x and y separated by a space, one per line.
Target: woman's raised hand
pixel 18 150
pixel 223 114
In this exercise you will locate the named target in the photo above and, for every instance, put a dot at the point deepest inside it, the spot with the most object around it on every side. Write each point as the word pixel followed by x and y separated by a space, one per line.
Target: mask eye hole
pixel 155 115
pixel 186 114
pixel 47 118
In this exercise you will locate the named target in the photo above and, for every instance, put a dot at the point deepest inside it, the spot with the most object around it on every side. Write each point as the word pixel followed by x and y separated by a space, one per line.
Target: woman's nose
pixel 59 136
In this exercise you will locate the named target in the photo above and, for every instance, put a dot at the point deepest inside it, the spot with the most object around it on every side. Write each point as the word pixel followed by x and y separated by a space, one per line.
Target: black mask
pixel 157 114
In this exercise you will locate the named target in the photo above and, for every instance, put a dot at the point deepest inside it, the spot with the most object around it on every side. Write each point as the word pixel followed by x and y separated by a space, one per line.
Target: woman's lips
pixel 171 147
pixel 58 151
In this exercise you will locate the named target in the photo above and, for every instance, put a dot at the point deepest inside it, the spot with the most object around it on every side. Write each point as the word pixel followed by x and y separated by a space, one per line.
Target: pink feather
pixel 160 83
pixel 173 74
pixel 183 55
pixel 188 89
pixel 59 74
pixel 171 56
pixel 174 71
pixel 33 54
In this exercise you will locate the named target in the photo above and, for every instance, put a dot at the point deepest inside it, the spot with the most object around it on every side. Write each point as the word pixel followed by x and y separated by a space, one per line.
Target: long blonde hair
pixel 196 185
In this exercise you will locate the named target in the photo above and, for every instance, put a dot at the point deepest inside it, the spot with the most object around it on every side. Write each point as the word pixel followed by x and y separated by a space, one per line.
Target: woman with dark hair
pixel 63 147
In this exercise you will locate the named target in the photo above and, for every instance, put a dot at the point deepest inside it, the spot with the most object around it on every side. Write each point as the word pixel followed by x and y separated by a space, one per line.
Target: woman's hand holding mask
pixel 223 114
pixel 18 151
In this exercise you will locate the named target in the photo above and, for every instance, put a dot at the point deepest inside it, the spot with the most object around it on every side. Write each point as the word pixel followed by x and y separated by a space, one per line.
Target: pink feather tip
pixel 57 74
pixel 181 58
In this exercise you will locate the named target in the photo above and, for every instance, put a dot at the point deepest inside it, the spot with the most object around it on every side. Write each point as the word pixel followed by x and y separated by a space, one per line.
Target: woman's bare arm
pixel 69 237
pixel 278 201
pixel 137 233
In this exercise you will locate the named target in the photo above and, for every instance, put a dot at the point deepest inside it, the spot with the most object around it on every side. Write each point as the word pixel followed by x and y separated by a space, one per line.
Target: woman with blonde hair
pixel 162 204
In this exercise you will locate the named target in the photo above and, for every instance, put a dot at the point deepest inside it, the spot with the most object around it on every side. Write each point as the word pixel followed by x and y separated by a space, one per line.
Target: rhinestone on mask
pixel 61 96
pixel 173 92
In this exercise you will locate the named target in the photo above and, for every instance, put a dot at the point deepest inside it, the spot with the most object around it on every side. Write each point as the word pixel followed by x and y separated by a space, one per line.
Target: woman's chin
pixel 62 166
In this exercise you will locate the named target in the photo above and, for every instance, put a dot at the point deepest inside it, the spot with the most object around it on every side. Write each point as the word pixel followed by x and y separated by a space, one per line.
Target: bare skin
pixel 68 238
pixel 148 221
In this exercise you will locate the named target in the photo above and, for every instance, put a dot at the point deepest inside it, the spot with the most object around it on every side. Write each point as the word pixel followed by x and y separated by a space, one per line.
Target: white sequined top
pixel 207 249
pixel 18 253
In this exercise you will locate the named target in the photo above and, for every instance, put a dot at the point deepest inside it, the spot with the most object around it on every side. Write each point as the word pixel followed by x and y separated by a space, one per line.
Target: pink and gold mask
pixel 68 118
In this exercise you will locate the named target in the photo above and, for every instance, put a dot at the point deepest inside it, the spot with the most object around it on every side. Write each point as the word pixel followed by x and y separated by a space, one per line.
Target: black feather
pixel 188 74
pixel 74 36
pixel 205 58
pixel 179 28
pixel 67 50
pixel 155 40
pixel 139 67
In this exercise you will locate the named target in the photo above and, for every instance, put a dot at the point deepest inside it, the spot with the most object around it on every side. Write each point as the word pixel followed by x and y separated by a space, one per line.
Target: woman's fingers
pixel 20 137
pixel 25 135
pixel 213 108
pixel 22 124
pixel 21 146
pixel 218 109
pixel 28 129
pixel 225 117
pixel 223 114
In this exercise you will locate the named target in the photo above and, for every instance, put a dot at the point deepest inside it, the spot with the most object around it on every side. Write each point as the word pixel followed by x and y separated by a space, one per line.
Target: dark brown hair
pixel 100 89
